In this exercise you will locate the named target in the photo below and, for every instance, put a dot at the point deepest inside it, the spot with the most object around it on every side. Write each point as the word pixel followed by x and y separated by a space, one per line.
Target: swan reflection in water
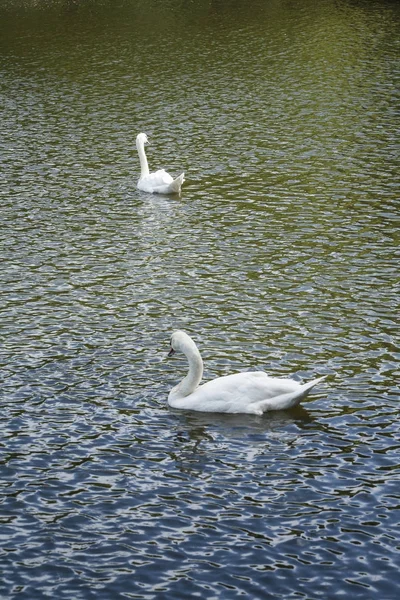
pixel 201 437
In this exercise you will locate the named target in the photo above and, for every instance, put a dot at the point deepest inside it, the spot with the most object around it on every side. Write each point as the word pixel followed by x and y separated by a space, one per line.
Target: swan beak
pixel 171 352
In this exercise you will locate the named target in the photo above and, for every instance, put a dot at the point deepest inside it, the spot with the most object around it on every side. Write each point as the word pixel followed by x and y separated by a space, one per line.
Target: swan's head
pixel 180 342
pixel 142 139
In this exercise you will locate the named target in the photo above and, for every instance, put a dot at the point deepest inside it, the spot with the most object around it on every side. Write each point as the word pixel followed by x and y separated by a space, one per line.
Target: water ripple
pixel 281 254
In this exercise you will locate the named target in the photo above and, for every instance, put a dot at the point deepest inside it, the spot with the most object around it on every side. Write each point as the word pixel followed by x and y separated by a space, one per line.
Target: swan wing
pixel 150 182
pixel 252 385
pixel 160 182
pixel 287 400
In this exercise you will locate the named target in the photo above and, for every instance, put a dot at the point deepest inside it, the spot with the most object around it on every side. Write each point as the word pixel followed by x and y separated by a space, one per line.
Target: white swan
pixel 252 392
pixel 159 182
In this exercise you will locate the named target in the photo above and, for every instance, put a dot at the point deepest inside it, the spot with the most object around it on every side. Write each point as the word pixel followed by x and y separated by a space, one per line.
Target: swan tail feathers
pixel 176 184
pixel 311 384
pixel 288 400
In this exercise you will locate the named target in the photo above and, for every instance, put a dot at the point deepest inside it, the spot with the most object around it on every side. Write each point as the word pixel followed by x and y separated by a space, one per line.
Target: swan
pixel 159 182
pixel 252 392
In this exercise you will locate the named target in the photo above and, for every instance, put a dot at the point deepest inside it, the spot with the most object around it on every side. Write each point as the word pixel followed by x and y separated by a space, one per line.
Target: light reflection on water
pixel 280 254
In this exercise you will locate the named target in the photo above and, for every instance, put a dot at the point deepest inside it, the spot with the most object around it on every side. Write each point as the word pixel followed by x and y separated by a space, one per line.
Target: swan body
pixel 159 182
pixel 252 392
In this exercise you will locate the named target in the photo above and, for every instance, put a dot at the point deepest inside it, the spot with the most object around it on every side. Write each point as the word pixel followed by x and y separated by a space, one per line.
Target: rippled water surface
pixel 281 254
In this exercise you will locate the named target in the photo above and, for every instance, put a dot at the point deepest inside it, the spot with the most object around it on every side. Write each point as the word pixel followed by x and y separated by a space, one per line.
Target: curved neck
pixel 144 167
pixel 191 381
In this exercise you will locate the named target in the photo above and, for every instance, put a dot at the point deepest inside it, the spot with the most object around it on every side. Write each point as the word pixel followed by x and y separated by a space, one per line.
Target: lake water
pixel 281 254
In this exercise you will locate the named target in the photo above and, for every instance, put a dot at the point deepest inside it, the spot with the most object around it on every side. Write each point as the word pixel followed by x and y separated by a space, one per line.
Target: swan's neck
pixel 144 166
pixel 191 381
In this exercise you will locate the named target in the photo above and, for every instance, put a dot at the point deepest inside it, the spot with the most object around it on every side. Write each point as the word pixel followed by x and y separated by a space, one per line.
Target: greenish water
pixel 281 254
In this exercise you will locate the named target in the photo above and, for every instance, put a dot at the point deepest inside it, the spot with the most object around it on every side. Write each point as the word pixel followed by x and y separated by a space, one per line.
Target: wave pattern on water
pixel 182 504
pixel 282 254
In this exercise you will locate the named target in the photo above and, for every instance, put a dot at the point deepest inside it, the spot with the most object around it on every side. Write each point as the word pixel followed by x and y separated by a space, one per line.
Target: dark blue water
pixel 281 254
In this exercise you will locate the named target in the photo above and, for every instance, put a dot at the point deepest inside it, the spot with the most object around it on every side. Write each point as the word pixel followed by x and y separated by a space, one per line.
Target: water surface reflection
pixel 281 254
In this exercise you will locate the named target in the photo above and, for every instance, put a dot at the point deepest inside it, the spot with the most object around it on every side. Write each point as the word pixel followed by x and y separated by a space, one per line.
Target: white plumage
pixel 159 182
pixel 251 392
